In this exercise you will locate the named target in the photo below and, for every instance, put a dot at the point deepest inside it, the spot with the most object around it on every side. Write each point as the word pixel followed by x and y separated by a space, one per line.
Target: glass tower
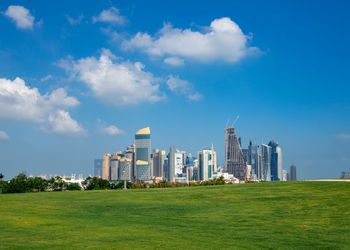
pixel 143 152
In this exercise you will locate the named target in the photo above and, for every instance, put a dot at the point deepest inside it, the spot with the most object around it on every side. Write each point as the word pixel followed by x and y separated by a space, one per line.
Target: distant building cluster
pixel 138 163
pixel 257 162
pixel 345 175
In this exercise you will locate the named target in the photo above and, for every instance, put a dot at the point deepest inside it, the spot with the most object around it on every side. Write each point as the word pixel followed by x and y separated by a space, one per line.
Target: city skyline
pixel 284 79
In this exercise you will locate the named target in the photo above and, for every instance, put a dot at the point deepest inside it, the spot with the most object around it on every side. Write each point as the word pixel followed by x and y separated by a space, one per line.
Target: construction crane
pixel 228 120
pixel 234 122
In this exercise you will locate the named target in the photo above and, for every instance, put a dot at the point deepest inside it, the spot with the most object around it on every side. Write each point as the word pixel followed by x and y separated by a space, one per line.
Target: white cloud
pixel 21 16
pixel 223 41
pixel 174 61
pixel 3 135
pixel 45 78
pixel 109 130
pixel 73 21
pixel 112 130
pixel 22 103
pixel 61 123
pixel 114 83
pixel 343 136
pixel 110 15
pixel 195 97
pixel 183 87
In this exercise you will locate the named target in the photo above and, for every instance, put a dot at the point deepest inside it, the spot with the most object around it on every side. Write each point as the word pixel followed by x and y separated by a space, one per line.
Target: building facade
pixel 276 161
pixel 143 151
pixel 106 166
pixel 234 158
pixel 293 173
pixel 130 154
pixel 254 159
pixel 206 164
pixel 265 174
pixel 114 166
pixel 98 167
pixel 158 163
pixel 143 170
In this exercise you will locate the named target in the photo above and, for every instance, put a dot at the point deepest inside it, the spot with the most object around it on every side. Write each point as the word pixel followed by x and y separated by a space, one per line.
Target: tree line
pixel 22 184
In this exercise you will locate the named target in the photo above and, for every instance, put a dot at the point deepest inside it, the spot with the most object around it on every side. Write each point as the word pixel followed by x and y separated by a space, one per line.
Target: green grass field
pixel 246 216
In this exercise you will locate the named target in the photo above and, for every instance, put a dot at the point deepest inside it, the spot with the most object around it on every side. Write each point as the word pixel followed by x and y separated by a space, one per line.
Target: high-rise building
pixel 143 170
pixel 179 162
pixel 195 174
pixel 293 173
pixel 125 166
pixel 254 159
pixel 345 175
pixel 158 163
pixel 246 155
pixel 276 161
pixel 98 167
pixel 130 154
pixel 265 163
pixel 171 164
pixel 143 150
pixel 106 166
pixel 114 166
pixel 189 173
pixel 234 158
pixel 189 160
pixel 206 161
pixel 175 163
pixel 166 171
pixel 284 175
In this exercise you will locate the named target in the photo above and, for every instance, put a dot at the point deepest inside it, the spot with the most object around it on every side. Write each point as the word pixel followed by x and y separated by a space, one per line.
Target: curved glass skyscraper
pixel 143 152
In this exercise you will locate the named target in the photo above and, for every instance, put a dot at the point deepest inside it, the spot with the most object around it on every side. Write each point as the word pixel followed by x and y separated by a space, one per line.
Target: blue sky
pixel 79 79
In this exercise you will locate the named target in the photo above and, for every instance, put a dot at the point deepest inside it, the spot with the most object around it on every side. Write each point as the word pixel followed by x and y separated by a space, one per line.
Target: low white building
pixel 227 177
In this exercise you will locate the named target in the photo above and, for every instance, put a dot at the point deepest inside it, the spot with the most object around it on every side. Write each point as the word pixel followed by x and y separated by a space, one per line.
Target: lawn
pixel 245 216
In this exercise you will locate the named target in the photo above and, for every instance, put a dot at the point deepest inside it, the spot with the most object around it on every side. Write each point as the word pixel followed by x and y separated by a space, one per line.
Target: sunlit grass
pixel 266 215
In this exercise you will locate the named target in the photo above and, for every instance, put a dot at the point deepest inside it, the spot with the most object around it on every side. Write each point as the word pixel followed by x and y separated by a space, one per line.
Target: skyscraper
pixel 276 161
pixel 114 166
pixel 175 163
pixel 142 170
pixel 246 155
pixel 265 162
pixel 130 154
pixel 293 173
pixel 98 167
pixel 254 159
pixel 143 150
pixel 158 163
pixel 171 164
pixel 234 158
pixel 206 164
pixel 106 166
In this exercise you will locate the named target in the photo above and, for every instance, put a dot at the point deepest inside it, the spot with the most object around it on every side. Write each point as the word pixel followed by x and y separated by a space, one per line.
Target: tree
pixel 18 184
pixel 73 186
pixel 94 183
pixel 1 176
pixel 40 184
pixel 54 184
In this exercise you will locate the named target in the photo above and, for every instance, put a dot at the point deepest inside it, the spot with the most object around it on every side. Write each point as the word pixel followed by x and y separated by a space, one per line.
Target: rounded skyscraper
pixel 143 151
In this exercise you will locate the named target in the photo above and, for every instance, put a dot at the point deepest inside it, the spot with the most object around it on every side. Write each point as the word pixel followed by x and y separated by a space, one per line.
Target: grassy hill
pixel 253 216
